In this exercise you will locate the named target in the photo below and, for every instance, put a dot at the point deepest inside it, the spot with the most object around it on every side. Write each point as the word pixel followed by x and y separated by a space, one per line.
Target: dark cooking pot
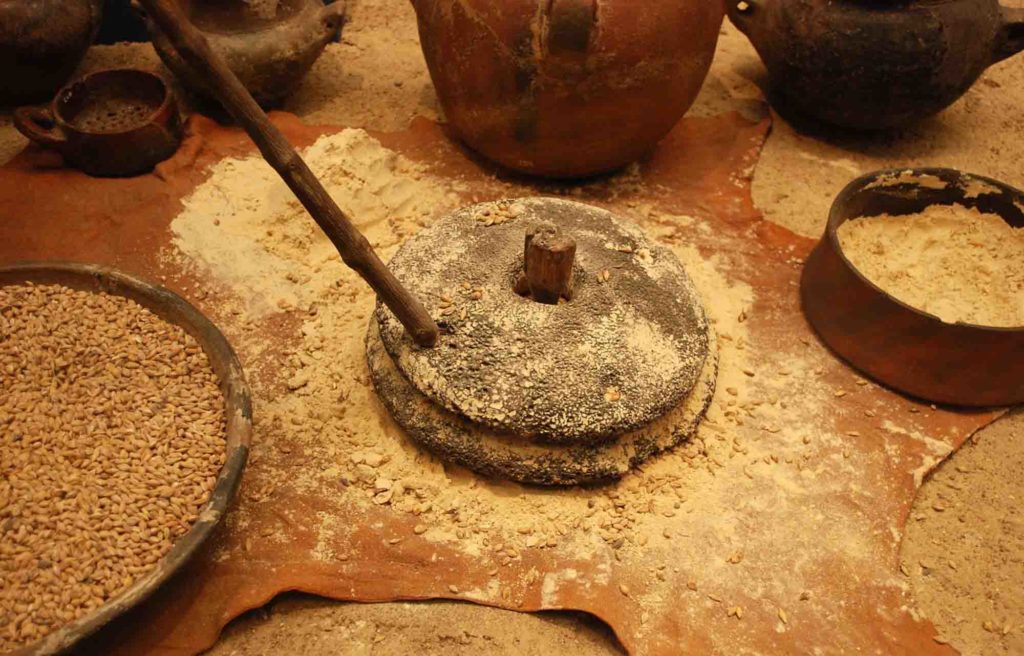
pixel 269 46
pixel 871 64
pixel 41 44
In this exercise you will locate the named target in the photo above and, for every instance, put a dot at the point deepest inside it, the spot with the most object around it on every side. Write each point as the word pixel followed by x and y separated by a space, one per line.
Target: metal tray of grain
pixel 238 415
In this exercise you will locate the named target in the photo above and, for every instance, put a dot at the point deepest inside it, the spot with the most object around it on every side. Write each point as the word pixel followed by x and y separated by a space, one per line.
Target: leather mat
pixel 809 559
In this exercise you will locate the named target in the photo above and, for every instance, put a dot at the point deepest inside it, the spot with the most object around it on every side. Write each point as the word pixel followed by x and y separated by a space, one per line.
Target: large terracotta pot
pixel 41 44
pixel 269 46
pixel 567 88
pixel 868 64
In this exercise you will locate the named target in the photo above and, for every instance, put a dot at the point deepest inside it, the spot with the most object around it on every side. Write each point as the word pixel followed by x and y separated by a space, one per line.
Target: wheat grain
pixel 111 438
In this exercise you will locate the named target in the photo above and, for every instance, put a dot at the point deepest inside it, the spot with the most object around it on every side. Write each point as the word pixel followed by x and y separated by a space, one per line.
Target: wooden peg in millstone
pixel 547 265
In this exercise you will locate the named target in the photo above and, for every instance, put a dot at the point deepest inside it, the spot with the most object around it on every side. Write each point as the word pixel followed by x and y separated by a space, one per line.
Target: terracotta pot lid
pixel 628 347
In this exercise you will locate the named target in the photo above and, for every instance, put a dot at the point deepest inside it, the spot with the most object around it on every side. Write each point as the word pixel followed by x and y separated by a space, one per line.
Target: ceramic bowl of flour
pixel 918 282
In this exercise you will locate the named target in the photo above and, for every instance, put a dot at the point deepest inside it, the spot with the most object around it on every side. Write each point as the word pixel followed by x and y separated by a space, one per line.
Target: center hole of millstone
pixel 549 256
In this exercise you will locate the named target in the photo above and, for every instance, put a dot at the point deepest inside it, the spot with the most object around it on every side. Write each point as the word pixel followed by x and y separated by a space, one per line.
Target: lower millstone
pixel 488 452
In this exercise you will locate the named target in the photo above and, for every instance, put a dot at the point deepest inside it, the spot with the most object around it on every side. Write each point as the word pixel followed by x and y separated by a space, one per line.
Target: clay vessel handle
pixel 37 124
pixel 334 13
pixel 741 13
pixel 570 25
pixel 332 17
pixel 1011 36
pixel 139 10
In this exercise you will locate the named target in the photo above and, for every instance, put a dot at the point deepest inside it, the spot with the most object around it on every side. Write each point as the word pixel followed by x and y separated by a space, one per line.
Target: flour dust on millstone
pixel 574 389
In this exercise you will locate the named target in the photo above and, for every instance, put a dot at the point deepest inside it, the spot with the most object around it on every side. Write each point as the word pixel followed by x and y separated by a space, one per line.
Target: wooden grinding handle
pixel 279 153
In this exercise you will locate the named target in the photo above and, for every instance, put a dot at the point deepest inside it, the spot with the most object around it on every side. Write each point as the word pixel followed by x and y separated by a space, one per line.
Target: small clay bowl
pixel 898 345
pixel 112 123
pixel 238 410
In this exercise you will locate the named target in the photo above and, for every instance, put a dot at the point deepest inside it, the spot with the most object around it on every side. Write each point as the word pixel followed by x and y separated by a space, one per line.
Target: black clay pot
pixel 876 64
pixel 41 44
pixel 270 50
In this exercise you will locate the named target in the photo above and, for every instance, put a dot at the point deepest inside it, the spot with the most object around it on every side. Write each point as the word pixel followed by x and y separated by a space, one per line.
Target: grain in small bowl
pixel 125 422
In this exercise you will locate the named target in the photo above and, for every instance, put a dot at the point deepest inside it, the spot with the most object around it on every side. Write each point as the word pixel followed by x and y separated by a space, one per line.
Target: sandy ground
pixel 965 541
pixel 299 624
pixel 964 545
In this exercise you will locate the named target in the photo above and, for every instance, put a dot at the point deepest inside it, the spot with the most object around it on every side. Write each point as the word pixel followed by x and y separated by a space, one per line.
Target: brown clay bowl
pixel 170 307
pixel 898 345
pixel 112 123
